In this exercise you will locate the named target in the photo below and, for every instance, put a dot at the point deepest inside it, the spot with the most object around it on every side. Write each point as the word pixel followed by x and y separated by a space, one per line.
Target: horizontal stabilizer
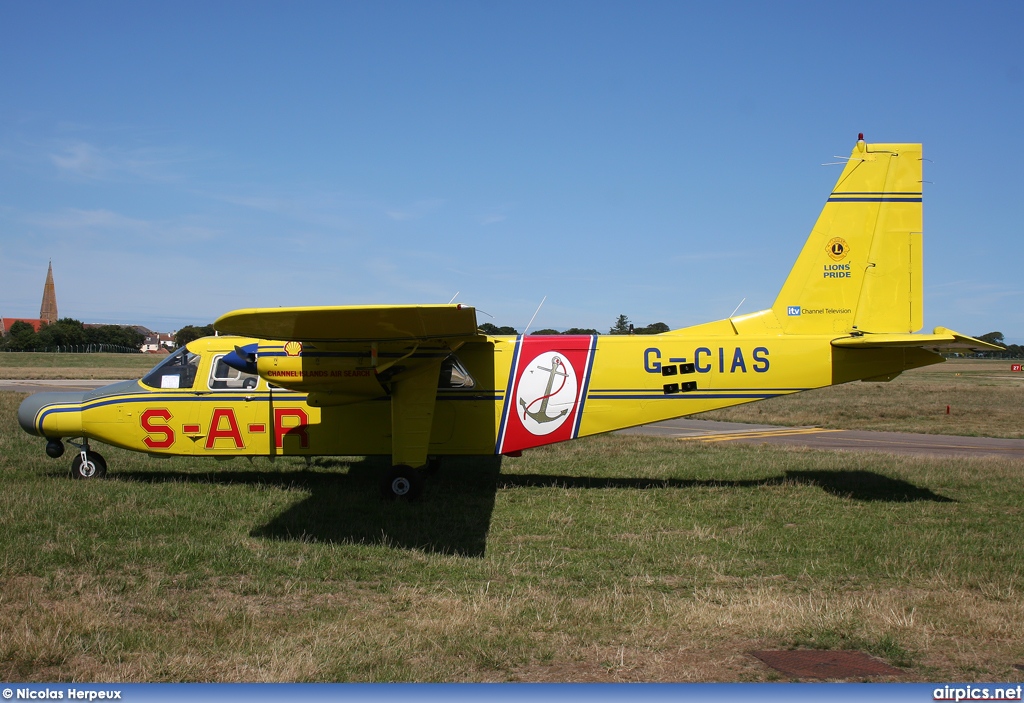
pixel 941 339
pixel 353 323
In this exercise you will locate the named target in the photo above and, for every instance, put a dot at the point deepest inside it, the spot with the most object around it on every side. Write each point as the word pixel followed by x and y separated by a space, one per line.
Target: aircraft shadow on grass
pixel 856 485
pixel 454 515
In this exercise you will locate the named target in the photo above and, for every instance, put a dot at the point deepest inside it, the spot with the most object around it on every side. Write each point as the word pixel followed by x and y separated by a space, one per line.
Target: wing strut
pixel 413 398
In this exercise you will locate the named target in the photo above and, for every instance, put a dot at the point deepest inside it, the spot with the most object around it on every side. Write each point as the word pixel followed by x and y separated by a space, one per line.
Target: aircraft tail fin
pixel 861 267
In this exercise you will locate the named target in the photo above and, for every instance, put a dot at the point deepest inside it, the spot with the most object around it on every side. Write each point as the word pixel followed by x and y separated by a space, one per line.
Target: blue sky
pixel 659 160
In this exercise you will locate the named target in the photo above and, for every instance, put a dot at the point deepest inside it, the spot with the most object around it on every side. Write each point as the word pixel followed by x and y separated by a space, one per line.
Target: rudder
pixel 861 268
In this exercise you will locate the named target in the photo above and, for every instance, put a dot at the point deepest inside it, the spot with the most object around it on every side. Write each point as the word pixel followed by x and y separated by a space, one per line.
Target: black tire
pixel 402 482
pixel 94 466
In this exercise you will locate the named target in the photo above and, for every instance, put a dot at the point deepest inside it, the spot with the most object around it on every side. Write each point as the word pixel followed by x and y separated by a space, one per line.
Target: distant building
pixel 6 322
pixel 48 310
pixel 157 342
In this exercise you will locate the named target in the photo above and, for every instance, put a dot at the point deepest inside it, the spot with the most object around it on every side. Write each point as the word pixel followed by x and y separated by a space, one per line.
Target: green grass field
pixel 99 366
pixel 608 559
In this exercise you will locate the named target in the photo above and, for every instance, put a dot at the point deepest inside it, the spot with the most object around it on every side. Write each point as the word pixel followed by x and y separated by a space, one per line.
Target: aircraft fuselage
pixel 521 392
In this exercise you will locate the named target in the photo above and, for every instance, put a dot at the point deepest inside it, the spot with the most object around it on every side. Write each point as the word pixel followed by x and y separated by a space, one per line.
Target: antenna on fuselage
pixel 534 316
pixel 454 297
pixel 738 306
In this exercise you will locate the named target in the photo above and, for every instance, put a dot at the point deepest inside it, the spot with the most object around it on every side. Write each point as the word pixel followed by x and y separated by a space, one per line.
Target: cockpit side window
pixel 454 374
pixel 223 377
pixel 176 371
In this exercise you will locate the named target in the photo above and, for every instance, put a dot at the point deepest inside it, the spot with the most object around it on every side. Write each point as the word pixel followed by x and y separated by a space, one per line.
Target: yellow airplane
pixel 421 382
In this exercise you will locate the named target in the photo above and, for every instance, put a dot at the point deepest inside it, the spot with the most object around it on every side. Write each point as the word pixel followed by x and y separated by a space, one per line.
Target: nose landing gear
pixel 87 463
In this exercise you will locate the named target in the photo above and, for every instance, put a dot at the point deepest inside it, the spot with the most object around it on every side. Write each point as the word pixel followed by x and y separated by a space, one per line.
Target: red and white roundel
pixel 546 393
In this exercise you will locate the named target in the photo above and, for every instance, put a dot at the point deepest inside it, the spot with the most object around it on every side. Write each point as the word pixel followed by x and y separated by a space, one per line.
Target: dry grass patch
pixel 419 635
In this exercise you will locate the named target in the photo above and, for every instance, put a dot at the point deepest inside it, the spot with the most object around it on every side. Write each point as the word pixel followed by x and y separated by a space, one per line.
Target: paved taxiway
pixel 59 384
pixel 689 430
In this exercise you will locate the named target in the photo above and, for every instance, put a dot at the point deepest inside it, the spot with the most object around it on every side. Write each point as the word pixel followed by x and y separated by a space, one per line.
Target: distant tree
pixel 580 330
pixel 547 331
pixel 656 328
pixel 621 326
pixel 115 335
pixel 20 337
pixel 190 333
pixel 993 338
pixel 65 332
pixel 488 328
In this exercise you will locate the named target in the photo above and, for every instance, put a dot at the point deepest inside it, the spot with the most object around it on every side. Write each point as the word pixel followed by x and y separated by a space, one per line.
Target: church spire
pixel 48 310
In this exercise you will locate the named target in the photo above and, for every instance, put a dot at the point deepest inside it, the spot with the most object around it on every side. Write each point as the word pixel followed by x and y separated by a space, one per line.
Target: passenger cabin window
pixel 176 371
pixel 223 377
pixel 454 374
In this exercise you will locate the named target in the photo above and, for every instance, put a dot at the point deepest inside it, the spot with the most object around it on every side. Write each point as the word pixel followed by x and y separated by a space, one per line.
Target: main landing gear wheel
pixel 401 482
pixel 94 466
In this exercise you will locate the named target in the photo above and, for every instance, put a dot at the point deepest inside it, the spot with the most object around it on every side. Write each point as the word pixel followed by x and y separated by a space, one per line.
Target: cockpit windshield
pixel 176 371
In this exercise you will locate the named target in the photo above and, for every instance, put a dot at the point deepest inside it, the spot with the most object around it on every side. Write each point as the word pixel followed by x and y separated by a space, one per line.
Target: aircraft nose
pixel 52 415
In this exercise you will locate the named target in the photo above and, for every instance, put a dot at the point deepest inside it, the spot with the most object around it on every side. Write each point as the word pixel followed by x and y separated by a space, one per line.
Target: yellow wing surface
pixel 358 353
pixel 353 323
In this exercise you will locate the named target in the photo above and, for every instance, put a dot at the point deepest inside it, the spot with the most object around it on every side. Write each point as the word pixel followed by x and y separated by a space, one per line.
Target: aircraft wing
pixel 405 350
pixel 353 323
pixel 941 339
